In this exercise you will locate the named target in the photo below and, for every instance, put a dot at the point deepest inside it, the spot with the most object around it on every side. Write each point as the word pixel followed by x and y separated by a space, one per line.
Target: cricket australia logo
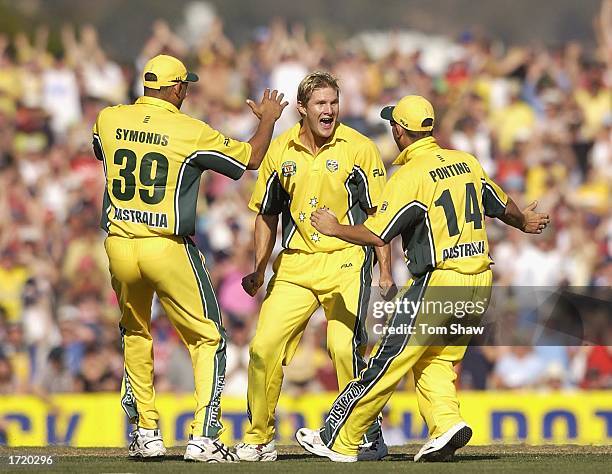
pixel 332 165
pixel 289 168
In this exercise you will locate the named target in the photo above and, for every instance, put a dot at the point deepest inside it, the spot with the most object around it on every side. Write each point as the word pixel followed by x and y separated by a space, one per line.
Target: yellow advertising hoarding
pixel 497 417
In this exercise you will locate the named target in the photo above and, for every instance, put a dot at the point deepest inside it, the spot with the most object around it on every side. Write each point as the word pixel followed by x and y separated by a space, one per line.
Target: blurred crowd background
pixel 537 117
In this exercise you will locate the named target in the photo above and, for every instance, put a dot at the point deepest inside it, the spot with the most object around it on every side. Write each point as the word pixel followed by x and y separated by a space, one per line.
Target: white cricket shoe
pixel 257 452
pixel 146 444
pixel 311 442
pixel 201 448
pixel 444 446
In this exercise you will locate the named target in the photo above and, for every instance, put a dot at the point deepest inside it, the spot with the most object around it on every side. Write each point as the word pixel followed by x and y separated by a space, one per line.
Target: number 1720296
pixel 30 460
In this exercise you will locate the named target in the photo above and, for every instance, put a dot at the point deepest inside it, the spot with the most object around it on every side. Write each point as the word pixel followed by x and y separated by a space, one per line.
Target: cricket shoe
pixel 310 440
pixel 373 451
pixel 444 446
pixel 257 452
pixel 201 448
pixel 146 444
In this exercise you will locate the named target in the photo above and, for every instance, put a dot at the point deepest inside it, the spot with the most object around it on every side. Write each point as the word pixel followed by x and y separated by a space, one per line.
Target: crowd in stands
pixel 537 117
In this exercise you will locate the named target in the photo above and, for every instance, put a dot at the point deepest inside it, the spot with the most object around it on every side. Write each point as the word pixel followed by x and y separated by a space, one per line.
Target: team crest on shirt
pixel 384 206
pixel 289 168
pixel 332 165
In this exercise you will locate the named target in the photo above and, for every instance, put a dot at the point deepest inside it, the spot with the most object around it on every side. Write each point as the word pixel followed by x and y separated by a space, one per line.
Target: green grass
pixel 292 459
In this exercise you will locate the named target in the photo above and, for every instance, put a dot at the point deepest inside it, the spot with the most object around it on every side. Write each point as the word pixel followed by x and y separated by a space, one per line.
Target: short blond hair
pixel 315 80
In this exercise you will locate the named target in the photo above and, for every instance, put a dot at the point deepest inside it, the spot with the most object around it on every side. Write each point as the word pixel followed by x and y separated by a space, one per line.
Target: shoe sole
pixel 336 457
pixel 156 455
pixel 267 457
pixel 211 461
pixel 447 452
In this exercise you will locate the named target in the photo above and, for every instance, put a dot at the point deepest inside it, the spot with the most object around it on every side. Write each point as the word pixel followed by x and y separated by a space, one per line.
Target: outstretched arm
pixel 528 220
pixel 326 223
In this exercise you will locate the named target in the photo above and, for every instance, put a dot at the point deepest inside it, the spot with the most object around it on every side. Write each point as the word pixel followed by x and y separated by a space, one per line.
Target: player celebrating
pixel 153 158
pixel 318 162
pixel 436 202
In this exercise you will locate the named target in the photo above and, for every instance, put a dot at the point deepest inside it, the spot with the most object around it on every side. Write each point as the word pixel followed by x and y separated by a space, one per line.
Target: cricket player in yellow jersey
pixel 153 157
pixel 318 162
pixel 436 201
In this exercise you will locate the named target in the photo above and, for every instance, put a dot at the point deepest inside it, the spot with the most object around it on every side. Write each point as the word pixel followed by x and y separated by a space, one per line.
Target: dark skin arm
pixel 326 223
pixel 268 112
pixel 265 237
pixel 527 220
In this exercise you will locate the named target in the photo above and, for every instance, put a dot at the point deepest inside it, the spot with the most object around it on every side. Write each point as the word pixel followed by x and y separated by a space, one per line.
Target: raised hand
pixel 534 222
pixel 271 106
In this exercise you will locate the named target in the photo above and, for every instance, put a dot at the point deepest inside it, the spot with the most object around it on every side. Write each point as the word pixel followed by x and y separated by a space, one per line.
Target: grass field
pixel 558 459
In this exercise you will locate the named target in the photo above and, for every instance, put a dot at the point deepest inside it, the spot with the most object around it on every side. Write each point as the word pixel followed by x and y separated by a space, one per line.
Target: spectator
pixel 55 376
pixel 518 368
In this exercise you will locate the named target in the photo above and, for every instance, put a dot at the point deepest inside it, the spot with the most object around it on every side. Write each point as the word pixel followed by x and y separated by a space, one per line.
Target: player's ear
pixel 301 108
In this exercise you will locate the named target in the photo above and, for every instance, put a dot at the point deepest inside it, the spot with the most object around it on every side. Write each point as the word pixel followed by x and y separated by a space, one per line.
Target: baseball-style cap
pixel 164 70
pixel 412 112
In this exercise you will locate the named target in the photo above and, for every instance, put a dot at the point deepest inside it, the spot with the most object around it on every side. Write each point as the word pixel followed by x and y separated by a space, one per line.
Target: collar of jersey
pixel 157 102
pixel 295 135
pixel 418 147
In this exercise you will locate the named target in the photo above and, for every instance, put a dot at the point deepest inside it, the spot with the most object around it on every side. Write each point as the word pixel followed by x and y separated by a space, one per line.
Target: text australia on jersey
pixel 151 219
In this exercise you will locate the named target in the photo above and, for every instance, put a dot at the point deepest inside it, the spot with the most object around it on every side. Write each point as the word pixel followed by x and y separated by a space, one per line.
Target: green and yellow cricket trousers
pixel 403 349
pixel 173 268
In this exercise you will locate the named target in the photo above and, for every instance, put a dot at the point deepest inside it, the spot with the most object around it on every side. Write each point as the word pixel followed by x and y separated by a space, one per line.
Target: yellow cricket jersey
pixel 347 176
pixel 153 158
pixel 437 202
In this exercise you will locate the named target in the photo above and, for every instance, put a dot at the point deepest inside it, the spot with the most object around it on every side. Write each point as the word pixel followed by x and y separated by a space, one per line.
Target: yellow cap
pixel 413 112
pixel 164 70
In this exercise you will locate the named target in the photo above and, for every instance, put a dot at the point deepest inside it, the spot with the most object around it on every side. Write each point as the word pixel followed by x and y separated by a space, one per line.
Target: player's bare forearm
pixel 326 222
pixel 357 234
pixel 260 142
pixel 383 254
pixel 528 220
pixel 387 287
pixel 513 215
pixel 265 236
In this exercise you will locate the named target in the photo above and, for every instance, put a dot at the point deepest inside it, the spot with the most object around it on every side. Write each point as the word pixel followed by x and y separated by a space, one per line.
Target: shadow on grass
pixel 475 457
pixel 299 457
pixel 396 457
pixel 154 460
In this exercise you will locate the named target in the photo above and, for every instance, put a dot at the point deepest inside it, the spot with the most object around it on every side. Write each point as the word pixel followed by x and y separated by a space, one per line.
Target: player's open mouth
pixel 327 122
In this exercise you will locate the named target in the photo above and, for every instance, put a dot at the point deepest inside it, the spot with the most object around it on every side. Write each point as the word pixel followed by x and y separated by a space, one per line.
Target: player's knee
pixel 208 338
pixel 341 352
pixel 262 352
